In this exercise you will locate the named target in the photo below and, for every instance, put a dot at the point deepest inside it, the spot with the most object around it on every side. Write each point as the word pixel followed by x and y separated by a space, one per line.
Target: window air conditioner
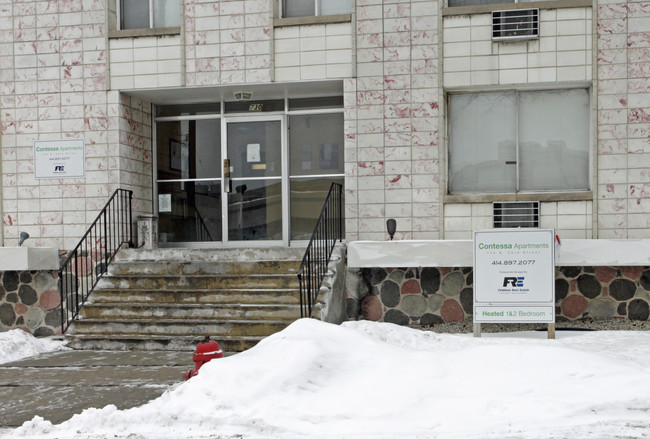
pixel 516 214
pixel 515 24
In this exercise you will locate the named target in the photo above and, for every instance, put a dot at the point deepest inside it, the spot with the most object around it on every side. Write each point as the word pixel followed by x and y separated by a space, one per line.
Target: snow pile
pixel 17 344
pixel 377 380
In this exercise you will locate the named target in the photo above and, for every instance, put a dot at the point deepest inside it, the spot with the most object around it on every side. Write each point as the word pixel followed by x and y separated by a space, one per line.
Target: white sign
pixel 514 276
pixel 253 153
pixel 59 158
pixel 164 202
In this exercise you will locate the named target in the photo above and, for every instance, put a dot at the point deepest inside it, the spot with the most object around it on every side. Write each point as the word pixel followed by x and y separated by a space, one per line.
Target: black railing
pixel 89 260
pixel 328 230
pixel 202 231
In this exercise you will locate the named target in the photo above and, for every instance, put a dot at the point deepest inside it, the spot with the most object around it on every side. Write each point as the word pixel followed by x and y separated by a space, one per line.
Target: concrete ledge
pixel 521 196
pixel 459 253
pixel 306 21
pixel 139 33
pixel 482 9
pixel 29 258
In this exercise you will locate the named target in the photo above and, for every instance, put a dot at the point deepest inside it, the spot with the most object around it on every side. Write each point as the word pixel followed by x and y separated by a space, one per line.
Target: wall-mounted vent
pixel 515 24
pixel 516 214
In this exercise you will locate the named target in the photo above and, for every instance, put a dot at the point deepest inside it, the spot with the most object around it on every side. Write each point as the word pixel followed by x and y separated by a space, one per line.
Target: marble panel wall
pixel 392 109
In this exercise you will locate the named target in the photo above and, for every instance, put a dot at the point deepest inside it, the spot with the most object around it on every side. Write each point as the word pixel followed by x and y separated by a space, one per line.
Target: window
pixel 519 141
pixel 310 8
pixel 145 14
pixel 316 156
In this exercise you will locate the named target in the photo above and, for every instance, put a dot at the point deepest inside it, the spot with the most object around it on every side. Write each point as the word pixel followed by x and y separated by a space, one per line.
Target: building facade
pixel 229 119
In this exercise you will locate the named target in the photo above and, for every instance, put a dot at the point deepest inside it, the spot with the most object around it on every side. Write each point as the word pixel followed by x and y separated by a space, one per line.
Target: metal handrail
pixel 202 231
pixel 328 230
pixel 89 260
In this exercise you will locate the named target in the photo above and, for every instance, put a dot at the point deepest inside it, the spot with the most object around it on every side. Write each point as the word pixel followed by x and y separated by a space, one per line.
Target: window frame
pixel 151 27
pixel 317 10
pixel 518 194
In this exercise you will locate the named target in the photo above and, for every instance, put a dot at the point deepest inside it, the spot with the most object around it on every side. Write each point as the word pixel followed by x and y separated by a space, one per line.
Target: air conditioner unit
pixel 515 24
pixel 515 214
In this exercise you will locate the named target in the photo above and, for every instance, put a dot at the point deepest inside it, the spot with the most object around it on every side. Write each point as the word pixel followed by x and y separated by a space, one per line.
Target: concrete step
pixel 217 254
pixel 206 297
pixel 172 298
pixel 194 268
pixel 140 342
pixel 152 282
pixel 115 311
pixel 176 327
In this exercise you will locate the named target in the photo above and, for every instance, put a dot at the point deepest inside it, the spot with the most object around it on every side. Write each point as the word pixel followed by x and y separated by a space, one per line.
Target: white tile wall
pixel 570 219
pixel 145 62
pixel 562 53
pixel 320 51
pixel 54 86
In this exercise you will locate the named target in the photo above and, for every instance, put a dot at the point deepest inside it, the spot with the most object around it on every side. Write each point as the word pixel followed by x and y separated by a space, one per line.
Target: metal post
pixel 130 218
pixel 63 310
pixel 340 201
pixel 551 331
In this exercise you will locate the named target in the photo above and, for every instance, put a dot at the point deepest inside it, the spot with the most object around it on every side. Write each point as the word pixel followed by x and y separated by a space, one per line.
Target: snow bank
pixel 17 344
pixel 377 380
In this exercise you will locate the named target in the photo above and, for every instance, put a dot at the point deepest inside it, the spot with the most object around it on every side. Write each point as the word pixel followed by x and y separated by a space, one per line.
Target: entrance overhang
pixel 203 94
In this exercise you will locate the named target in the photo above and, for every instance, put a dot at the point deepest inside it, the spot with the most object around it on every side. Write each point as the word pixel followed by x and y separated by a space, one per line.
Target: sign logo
pixel 517 282
pixel 58 168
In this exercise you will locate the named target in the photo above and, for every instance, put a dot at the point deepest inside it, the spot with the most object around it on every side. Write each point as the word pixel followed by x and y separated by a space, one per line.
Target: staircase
pixel 170 299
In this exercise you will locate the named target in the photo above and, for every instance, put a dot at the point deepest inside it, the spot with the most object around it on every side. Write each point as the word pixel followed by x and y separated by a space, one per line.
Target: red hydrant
pixel 206 350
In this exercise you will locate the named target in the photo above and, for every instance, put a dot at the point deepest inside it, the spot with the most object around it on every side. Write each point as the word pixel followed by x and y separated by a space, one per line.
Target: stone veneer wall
pixel 427 296
pixel 30 300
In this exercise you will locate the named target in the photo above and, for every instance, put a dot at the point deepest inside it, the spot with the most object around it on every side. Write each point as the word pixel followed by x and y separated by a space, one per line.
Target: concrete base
pixel 459 253
pixel 29 258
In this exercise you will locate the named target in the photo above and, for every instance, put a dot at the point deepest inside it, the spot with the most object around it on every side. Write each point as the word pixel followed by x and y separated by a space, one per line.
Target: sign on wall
pixel 514 276
pixel 59 158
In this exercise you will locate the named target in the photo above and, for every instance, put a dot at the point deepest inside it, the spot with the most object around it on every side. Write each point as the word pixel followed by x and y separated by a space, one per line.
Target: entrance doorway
pixel 225 178
pixel 254 186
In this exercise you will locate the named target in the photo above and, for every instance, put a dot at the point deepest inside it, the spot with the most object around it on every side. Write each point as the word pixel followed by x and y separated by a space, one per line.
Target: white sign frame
pixel 65 158
pixel 164 203
pixel 514 276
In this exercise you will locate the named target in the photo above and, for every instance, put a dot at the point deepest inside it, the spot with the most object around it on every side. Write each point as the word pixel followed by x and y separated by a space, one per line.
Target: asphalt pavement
pixel 58 385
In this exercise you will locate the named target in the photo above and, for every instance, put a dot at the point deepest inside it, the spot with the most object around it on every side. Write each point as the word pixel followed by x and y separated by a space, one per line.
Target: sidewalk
pixel 58 385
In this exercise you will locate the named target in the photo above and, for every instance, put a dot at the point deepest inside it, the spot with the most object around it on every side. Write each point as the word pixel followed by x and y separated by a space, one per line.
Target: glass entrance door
pixel 254 199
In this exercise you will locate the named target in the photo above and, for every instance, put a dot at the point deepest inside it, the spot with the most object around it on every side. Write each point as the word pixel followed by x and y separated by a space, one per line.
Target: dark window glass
pixel 189 149
pixel 191 211
pixel 316 144
pixel 476 2
pixel 135 14
pixel 299 8
pixel 307 198
pixel 187 110
pixel 316 103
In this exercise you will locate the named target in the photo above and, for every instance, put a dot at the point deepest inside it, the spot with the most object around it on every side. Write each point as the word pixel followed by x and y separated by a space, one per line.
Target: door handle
pixel 227 182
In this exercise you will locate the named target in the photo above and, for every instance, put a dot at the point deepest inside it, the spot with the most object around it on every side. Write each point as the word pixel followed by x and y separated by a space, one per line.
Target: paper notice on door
pixel 253 152
pixel 164 202
pixel 306 157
